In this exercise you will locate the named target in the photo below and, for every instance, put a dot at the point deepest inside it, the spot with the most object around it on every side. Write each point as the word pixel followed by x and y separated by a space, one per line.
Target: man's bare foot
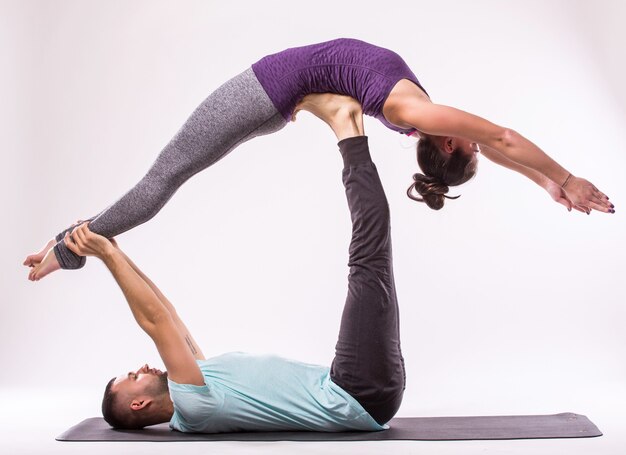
pixel 47 265
pixel 35 258
pixel 342 113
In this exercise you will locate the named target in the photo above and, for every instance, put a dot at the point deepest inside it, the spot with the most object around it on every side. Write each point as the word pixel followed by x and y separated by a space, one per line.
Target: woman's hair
pixel 440 171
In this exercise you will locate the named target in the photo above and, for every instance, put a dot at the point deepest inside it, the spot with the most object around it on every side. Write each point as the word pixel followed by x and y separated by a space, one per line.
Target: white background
pixel 509 304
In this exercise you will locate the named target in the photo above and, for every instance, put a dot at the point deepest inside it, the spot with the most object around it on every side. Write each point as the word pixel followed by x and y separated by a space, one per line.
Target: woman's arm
pixel 553 189
pixel 442 120
pixel 502 160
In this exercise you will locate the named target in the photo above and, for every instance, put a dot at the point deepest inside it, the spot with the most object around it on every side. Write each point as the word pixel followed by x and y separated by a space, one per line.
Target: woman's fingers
pixel 563 201
pixel 596 200
pixel 600 208
pixel 595 196
pixel 607 207
pixel 591 201
pixel 599 193
pixel 582 209
pixel 587 195
pixel 601 199
pixel 605 200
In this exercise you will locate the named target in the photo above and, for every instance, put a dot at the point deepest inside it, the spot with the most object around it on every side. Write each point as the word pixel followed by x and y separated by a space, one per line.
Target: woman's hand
pixel 583 193
pixel 558 194
pixel 86 243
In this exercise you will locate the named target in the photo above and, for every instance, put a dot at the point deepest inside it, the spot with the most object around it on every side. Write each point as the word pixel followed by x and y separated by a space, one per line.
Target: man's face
pixel 144 381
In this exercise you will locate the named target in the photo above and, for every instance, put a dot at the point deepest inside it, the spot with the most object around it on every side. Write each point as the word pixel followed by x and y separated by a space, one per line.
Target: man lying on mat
pixel 363 388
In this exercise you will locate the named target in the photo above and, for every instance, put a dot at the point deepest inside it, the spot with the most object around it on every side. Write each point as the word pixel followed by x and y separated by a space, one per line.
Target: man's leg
pixel 368 361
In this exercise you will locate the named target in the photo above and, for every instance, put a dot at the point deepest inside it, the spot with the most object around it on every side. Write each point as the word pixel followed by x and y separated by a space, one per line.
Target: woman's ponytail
pixel 439 173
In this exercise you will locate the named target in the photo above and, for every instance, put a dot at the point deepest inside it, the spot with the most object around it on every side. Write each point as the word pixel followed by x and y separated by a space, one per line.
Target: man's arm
pixel 149 311
pixel 182 328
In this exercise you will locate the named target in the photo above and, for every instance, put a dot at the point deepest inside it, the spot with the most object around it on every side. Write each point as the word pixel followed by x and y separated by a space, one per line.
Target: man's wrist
pixel 109 254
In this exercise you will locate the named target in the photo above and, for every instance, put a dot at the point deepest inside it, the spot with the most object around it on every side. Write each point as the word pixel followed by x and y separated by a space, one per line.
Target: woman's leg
pixel 236 112
pixel 368 361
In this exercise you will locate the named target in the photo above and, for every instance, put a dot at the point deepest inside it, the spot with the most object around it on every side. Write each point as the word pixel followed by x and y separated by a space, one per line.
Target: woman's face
pixel 469 149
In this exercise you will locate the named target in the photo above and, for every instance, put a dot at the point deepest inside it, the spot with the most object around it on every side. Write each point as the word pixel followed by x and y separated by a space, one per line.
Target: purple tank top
pixel 343 66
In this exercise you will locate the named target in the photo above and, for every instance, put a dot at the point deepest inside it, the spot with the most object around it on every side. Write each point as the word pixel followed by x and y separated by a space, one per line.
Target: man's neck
pixel 165 412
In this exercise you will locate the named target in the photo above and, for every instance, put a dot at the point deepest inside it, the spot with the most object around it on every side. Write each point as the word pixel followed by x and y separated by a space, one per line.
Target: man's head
pixel 137 399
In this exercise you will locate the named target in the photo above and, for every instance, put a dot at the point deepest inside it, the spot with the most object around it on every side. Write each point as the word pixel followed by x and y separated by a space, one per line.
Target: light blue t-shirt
pixel 245 392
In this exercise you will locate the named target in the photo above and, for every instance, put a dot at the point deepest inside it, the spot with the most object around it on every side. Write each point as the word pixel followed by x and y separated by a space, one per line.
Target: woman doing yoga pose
pixel 262 99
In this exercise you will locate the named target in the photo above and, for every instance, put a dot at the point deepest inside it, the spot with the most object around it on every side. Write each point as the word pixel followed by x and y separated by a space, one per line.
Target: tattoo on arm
pixel 190 344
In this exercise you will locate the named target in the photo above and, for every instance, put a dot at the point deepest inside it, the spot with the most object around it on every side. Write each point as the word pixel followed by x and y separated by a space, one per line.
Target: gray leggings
pixel 234 113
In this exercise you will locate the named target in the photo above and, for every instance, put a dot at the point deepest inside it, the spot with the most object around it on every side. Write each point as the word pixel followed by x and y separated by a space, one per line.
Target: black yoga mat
pixel 565 425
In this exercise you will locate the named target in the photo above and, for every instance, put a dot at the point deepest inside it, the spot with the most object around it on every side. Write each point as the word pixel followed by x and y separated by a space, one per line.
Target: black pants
pixel 368 362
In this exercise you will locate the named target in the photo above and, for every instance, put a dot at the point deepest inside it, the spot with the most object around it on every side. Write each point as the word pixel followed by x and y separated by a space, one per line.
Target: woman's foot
pixel 342 113
pixel 47 265
pixel 35 258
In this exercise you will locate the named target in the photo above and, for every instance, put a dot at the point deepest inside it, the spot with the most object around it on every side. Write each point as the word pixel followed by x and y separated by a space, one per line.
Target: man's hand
pixel 114 243
pixel 86 243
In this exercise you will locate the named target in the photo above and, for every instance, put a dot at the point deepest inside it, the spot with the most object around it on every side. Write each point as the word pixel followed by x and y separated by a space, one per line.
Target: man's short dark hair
pixel 108 406
pixel 112 413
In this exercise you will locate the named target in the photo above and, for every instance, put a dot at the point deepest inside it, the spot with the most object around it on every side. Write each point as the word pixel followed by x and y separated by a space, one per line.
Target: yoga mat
pixel 565 425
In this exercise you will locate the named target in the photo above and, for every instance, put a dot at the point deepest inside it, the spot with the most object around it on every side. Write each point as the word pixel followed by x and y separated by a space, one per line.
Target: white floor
pixel 31 420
